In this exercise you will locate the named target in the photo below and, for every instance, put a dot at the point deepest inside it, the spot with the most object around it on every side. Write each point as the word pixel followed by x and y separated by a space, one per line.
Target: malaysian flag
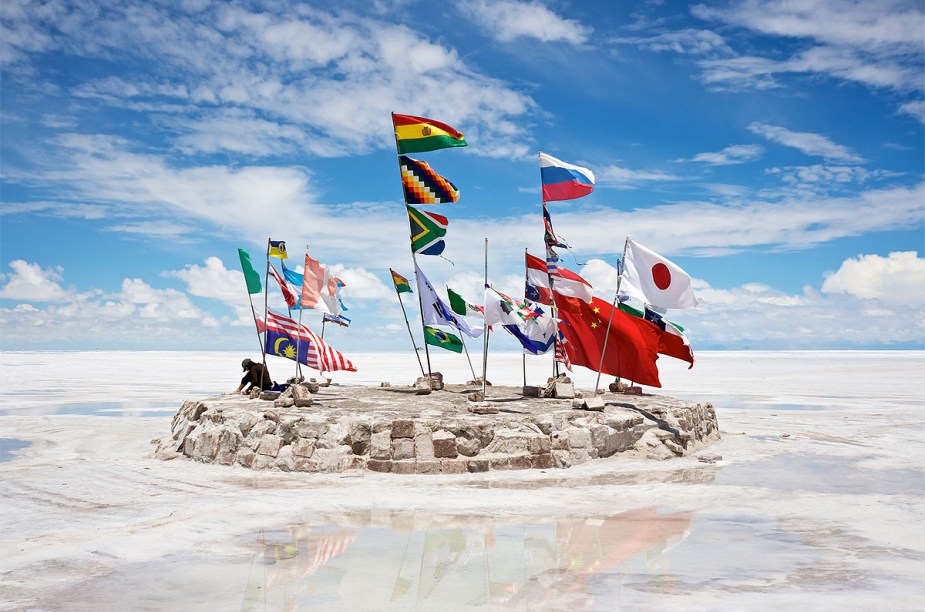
pixel 317 354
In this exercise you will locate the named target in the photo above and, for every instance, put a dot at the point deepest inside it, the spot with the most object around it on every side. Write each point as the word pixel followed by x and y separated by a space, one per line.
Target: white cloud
pixel 806 142
pixel 898 278
pixel 360 284
pixel 685 42
pixel 916 108
pixel 30 282
pixel 826 175
pixel 507 20
pixel 624 178
pixel 212 281
pixel 733 154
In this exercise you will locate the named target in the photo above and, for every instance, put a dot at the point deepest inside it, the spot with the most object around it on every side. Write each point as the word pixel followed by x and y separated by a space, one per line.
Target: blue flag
pixel 282 345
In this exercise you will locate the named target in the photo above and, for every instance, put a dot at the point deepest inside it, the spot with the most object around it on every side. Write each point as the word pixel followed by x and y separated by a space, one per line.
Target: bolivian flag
pixel 419 134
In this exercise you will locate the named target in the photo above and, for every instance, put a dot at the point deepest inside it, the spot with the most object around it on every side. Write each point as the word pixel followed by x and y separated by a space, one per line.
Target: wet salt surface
pixel 9 446
pixel 815 503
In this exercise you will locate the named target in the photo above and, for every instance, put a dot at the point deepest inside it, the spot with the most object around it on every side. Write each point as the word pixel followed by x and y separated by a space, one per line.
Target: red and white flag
pixel 312 282
pixel 650 278
pixel 289 295
pixel 320 356
pixel 565 282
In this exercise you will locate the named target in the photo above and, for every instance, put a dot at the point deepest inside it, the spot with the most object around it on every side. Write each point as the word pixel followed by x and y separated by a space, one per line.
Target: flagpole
pixel 408 326
pixel 266 308
pixel 471 369
pixel 298 340
pixel 415 260
pixel 254 312
pixel 321 371
pixel 485 342
pixel 616 298
pixel 526 280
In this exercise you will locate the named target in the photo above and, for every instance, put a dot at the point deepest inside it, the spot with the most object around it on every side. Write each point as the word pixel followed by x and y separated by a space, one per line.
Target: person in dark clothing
pixel 256 376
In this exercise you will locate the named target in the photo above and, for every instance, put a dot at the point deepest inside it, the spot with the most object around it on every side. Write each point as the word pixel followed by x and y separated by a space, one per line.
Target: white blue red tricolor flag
pixel 562 181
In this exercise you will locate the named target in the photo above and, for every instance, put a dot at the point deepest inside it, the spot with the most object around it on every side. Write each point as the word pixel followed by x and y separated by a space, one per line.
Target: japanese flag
pixel 650 278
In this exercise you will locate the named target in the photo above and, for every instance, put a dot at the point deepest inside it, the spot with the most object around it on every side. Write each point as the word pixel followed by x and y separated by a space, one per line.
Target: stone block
pixel 331 459
pixel 578 437
pixel 245 457
pixel 453 466
pixel 269 396
pixel 353 462
pixel 224 457
pixel 444 445
pixel 303 464
pixel 379 465
pixel 501 462
pixel 594 403
pixel 558 440
pixel 521 462
pixel 402 448
pixel 564 390
pixel 561 458
pixel 380 445
pixel 477 465
pixel 424 446
pixel 284 459
pixel 402 428
pixel 482 408
pixel 542 461
pixel 431 466
pixel 632 391
pixel 404 467
pixel 269 445
pixel 301 396
pixel 262 462
pixel 579 456
pixel 284 402
pixel 531 391
pixel 303 448
pixel 468 447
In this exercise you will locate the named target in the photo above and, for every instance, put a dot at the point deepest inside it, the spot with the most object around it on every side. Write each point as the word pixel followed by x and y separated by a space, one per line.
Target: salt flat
pixel 817 502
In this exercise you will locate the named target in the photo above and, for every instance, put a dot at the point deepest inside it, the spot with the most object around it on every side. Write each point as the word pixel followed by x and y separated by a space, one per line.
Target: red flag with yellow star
pixel 632 346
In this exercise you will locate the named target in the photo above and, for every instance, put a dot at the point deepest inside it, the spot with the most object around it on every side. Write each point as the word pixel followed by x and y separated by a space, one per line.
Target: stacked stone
pixel 228 433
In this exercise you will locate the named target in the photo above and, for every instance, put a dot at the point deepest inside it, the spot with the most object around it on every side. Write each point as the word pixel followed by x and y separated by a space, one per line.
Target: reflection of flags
pixel 446 340
pixel 435 311
pixel 278 249
pixel 565 282
pixel 463 307
pixel 318 354
pixel 535 332
pixel 312 282
pixel 289 295
pixel 401 283
pixel 328 546
pixel 650 278
pixel 419 134
pixel 427 231
pixel 424 186
pixel 632 346
pixel 671 340
pixel 562 181
pixel 250 275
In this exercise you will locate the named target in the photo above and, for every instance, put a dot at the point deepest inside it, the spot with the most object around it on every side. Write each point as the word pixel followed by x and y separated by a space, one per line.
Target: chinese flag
pixel 632 347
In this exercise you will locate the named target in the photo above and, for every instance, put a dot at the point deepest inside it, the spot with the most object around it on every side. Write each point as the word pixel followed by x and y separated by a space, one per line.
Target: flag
pixel 250 275
pixel 331 293
pixel 565 283
pixel 434 310
pixel 650 278
pixel 535 331
pixel 291 298
pixel 427 231
pixel 562 181
pixel 671 339
pixel 312 282
pixel 549 236
pixel 632 346
pixel 460 306
pixel 401 283
pixel 419 134
pixel 337 319
pixel 278 249
pixel 438 337
pixel 317 355
pixel 424 186
pixel 561 354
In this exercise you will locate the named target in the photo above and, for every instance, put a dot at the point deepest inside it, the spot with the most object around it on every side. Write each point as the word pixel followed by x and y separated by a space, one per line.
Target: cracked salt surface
pixel 818 508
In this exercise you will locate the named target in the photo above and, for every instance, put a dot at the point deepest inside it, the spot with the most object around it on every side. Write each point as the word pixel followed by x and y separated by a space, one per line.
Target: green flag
pixel 460 306
pixel 250 275
pixel 438 337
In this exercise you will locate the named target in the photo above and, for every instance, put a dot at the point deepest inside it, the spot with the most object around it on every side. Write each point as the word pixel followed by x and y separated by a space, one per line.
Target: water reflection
pixel 9 446
pixel 403 560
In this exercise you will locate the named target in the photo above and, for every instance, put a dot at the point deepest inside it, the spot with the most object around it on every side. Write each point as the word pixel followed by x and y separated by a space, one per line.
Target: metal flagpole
pixel 298 340
pixel 321 371
pixel 471 369
pixel 408 325
pixel 266 308
pixel 254 311
pixel 526 279
pixel 616 298
pixel 485 342
pixel 414 259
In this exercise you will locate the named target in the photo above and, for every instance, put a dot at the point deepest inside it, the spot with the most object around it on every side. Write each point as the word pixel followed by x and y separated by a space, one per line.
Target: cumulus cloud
pixel 898 278
pixel 806 142
pixel 29 282
pixel 507 20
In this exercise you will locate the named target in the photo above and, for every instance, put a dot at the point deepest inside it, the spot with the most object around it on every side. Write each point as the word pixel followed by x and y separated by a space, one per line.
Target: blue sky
pixel 774 150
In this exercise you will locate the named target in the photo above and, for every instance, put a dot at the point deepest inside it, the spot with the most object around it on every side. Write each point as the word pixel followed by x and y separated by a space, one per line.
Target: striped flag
pixel 317 355
pixel 291 298
pixel 561 355
pixel 424 186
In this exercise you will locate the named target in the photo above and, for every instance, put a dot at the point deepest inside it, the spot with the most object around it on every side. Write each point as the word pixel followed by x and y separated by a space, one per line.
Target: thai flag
pixel 563 181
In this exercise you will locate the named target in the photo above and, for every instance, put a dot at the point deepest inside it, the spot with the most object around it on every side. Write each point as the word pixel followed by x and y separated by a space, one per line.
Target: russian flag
pixel 562 181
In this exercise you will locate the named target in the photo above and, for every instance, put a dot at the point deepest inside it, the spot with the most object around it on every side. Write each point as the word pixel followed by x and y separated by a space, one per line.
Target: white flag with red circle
pixel 650 278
